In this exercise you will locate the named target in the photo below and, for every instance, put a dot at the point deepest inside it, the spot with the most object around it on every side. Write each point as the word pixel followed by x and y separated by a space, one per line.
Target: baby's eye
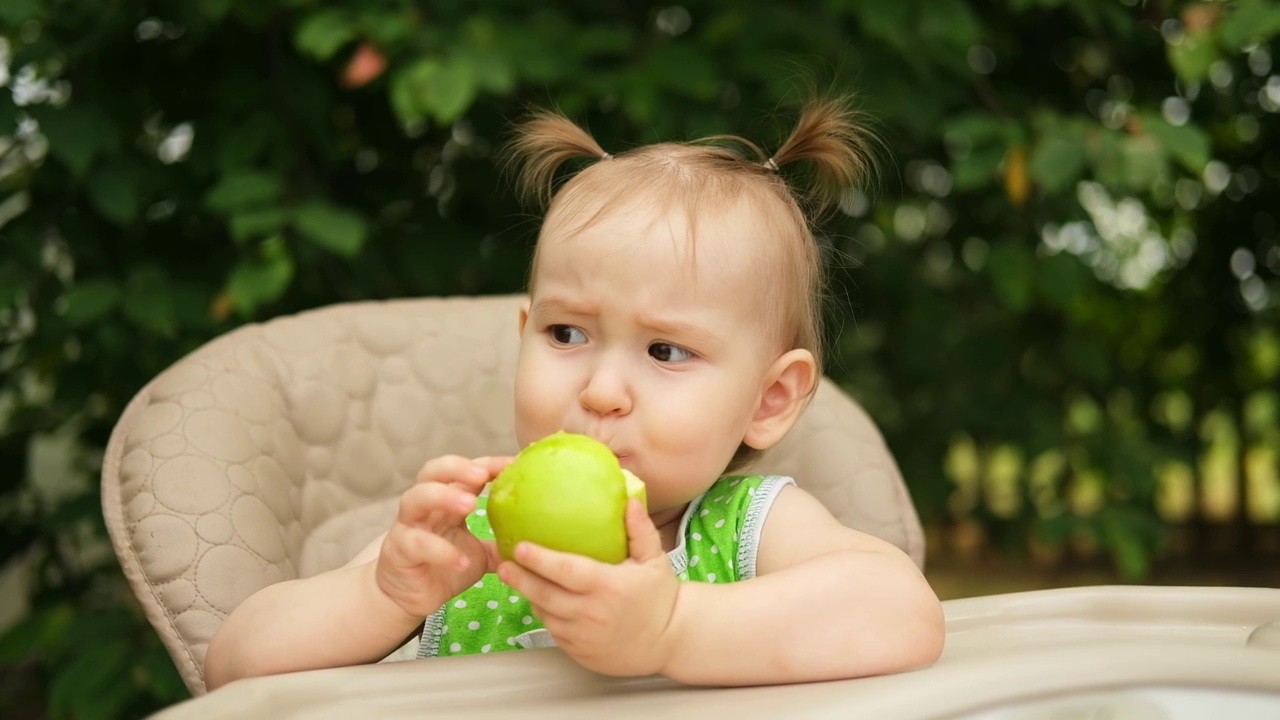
pixel 567 335
pixel 668 353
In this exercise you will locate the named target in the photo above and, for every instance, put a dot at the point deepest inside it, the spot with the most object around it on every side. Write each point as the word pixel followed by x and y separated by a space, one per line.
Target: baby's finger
pixel 492 555
pixel 540 591
pixel 454 469
pixel 575 573
pixel 559 626
pixel 413 546
pixel 494 465
pixel 644 541
pixel 427 503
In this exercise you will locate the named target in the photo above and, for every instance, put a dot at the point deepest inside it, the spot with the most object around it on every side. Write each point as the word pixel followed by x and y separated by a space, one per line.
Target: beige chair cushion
pixel 279 450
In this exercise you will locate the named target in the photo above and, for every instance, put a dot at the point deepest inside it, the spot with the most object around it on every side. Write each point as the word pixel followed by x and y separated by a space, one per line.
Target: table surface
pixel 1021 655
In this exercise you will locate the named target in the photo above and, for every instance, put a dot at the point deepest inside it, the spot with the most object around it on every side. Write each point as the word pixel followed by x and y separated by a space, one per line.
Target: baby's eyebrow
pixel 672 328
pixel 555 304
pixel 686 331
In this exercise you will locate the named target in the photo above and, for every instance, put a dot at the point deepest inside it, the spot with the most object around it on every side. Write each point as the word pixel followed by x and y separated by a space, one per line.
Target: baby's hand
pixel 428 555
pixel 612 619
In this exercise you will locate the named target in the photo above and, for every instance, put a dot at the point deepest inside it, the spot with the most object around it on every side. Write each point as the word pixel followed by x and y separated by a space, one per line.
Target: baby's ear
pixel 784 393
pixel 524 317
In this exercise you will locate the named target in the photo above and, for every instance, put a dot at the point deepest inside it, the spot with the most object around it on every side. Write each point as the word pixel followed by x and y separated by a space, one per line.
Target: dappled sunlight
pixel 1121 242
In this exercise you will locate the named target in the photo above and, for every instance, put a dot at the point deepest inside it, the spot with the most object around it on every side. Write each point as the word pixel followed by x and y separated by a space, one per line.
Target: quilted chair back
pixel 279 449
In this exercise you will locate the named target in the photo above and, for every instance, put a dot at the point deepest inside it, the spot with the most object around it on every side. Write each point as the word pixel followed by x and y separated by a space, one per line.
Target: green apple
pixel 566 492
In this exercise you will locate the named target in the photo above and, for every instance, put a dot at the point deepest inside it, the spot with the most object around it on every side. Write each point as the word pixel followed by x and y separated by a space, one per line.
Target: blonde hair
pixel 716 170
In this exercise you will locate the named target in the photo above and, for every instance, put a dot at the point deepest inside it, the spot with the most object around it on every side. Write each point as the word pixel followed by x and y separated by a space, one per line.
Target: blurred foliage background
pixel 1061 302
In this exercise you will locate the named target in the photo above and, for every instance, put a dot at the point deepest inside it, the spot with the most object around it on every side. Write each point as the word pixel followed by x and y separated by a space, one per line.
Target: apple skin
pixel 566 492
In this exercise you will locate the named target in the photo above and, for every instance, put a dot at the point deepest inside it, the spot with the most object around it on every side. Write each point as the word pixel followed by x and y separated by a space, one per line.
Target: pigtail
pixel 829 135
pixel 540 146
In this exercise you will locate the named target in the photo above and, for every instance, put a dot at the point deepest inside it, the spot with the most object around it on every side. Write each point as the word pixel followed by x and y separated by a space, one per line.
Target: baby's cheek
pixel 697 444
pixel 532 413
pixel 533 408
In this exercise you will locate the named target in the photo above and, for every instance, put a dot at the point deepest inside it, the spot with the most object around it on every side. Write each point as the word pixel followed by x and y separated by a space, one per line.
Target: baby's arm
pixel 335 618
pixel 362 611
pixel 828 602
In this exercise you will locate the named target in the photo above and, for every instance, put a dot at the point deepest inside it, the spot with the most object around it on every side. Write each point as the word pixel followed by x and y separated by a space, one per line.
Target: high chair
pixel 279 449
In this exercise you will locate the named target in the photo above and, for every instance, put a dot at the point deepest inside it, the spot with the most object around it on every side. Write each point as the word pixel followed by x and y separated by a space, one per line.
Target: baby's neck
pixel 668 524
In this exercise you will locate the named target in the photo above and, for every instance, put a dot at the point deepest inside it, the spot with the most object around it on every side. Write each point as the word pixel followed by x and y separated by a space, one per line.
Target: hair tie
pixel 771 165
pixel 606 156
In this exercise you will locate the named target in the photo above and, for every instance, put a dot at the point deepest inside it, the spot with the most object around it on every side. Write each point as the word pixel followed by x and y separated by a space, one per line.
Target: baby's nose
pixel 606 392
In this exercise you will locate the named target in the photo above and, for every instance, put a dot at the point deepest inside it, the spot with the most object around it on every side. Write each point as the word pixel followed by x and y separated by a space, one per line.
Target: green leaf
pixel 14 281
pixel 683 69
pixel 1193 56
pixel 950 21
pixel 13 13
pixel 258 281
pixel 89 674
pixel 242 190
pixel 1057 161
pixel 91 301
pixel 616 40
pixel 979 144
pixel 1106 154
pixel 1061 279
pixel 241 145
pixel 727 25
pixel 77 134
pixel 1248 22
pixel 404 98
pixel 1130 557
pixel 33 635
pixel 148 301
pixel 324 33
pixel 976 168
pixel 889 21
pixel 1144 162
pixel 152 313
pixel 114 192
pixel 440 89
pixel 1131 536
pixel 449 91
pixel 338 230
pixel 8 114
pixel 190 303
pixel 110 699
pixel 1264 361
pixel 492 71
pixel 1056 529
pixel 1010 265
pixel 981 129
pixel 252 224
pixel 160 676
pixel 1188 144
pixel 215 9
pixel 535 49
pixel 1086 359
pixel 389 28
pixel 20 641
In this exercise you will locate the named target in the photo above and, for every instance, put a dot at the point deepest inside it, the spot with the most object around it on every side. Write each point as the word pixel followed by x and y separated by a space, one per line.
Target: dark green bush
pixel 1063 289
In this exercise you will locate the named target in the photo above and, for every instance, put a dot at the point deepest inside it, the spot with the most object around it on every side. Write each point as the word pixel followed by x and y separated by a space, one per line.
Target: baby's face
pixel 657 351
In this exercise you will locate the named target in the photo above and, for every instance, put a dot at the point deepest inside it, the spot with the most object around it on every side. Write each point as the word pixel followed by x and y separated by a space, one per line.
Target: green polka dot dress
pixel 719 539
